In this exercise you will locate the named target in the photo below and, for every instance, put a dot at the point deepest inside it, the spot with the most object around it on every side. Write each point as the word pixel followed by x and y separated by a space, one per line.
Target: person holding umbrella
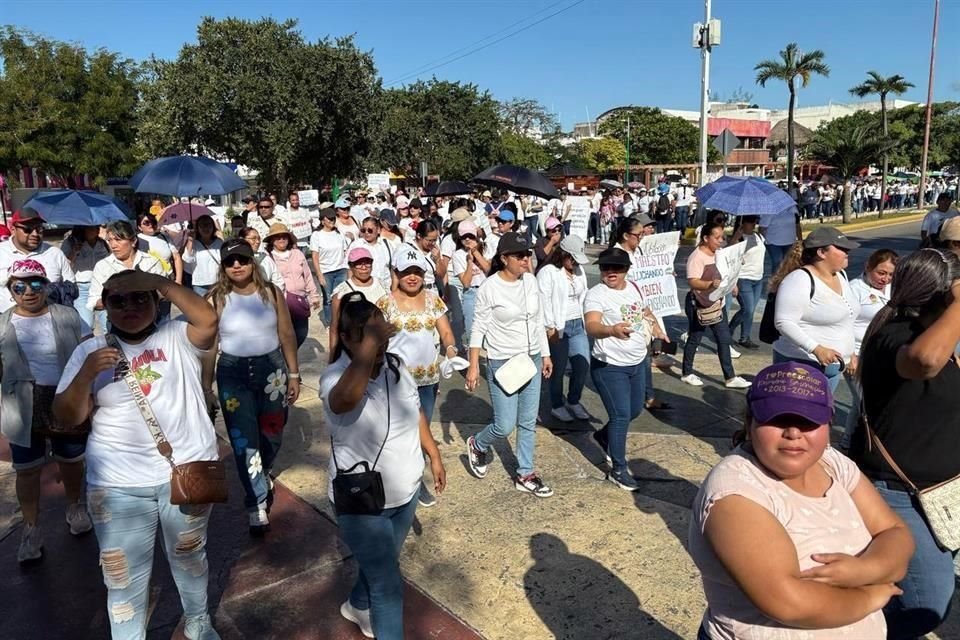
pixel 27 242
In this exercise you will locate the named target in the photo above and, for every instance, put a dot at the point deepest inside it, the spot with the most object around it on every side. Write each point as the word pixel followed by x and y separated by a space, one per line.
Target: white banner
pixel 654 273
pixel 578 214
pixel 378 181
pixel 309 198
pixel 729 262
pixel 298 222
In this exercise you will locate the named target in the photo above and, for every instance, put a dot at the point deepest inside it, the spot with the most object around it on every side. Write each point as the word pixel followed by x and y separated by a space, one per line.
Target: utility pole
pixel 705 37
pixel 627 167
pixel 926 127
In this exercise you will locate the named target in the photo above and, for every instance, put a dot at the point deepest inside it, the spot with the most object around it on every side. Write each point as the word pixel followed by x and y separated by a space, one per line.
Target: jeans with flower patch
pixel 253 397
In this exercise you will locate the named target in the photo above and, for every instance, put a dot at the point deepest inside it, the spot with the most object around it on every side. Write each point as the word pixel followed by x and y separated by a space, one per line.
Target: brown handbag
pixel 199 482
pixel 45 422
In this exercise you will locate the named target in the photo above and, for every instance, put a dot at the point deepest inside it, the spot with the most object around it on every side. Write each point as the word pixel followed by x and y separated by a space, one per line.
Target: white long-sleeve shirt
pixel 804 322
pixel 871 301
pixel 110 265
pixel 508 318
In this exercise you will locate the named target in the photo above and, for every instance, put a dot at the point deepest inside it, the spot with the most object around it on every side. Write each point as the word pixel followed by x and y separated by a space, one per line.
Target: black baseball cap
pixel 613 257
pixel 236 247
pixel 328 212
pixel 248 199
pixel 825 236
pixel 513 242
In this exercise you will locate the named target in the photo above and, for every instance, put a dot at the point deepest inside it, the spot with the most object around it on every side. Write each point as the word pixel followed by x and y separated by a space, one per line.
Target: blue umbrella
pixel 186 176
pixel 68 207
pixel 745 197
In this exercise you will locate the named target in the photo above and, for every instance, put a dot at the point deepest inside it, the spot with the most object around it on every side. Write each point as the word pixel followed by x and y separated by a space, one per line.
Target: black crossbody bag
pixel 360 493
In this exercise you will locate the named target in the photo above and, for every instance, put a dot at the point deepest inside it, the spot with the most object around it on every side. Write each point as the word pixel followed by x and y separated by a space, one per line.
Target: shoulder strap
pixel 146 411
pixel 875 440
pixel 813 284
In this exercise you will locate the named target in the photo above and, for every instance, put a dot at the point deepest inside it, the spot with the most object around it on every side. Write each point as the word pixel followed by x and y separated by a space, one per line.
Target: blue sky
pixel 593 55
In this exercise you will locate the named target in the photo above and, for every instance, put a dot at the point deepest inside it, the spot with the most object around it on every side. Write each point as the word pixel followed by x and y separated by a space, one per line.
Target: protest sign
pixel 729 261
pixel 299 222
pixel 654 274
pixel 309 197
pixel 378 181
pixel 579 215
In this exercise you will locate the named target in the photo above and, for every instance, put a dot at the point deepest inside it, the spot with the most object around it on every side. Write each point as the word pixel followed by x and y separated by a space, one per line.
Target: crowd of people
pixel 788 532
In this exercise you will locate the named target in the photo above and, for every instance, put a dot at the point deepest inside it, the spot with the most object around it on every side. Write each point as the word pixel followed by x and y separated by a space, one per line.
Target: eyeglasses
pixel 31 229
pixel 35 286
pixel 630 233
pixel 229 261
pixel 362 264
pixel 123 300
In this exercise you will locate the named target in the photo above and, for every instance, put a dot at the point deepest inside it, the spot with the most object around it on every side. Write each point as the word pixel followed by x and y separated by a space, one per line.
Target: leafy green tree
pixel 256 92
pixel 524 152
pixel 655 137
pixel 453 127
pixel 65 111
pixel 876 83
pixel 527 117
pixel 848 146
pixel 603 155
pixel 793 64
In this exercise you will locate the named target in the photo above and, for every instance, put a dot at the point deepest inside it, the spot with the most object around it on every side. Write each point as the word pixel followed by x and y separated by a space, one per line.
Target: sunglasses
pixel 147 223
pixel 368 230
pixel 468 236
pixel 229 261
pixel 264 206
pixel 554 230
pixel 499 221
pixel 35 286
pixel 31 229
pixel 519 256
pixel 124 300
pixel 614 267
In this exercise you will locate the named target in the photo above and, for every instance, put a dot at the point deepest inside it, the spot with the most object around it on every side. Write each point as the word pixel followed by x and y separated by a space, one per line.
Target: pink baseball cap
pixel 552 223
pixel 358 253
pixel 467 227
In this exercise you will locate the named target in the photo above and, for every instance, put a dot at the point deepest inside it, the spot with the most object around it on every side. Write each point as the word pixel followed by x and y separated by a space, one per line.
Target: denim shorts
pixel 64 448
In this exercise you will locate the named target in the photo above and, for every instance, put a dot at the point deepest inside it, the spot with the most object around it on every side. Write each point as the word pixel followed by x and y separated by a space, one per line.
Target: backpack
pixel 663 203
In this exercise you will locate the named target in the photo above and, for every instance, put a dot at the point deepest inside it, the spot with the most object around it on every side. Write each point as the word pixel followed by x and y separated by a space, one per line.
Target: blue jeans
pixel 517 411
pixel 683 215
pixel 201 290
pixel 622 391
pixel 125 520
pixel 376 542
pixel 663 222
pixel 648 378
pixel 575 347
pixel 833 372
pixel 929 583
pixel 533 227
pixel 428 399
pixel 468 302
pixel 333 280
pixel 64 449
pixel 88 316
pixel 853 416
pixel 750 292
pixel 695 330
pixel 777 253
pixel 301 328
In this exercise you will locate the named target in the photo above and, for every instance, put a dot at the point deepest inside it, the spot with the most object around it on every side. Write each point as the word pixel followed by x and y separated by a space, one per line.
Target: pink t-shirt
pixel 702 266
pixel 831 524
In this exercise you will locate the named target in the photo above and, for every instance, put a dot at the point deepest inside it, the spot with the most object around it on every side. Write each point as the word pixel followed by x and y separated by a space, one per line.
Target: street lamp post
pixel 921 195
pixel 706 35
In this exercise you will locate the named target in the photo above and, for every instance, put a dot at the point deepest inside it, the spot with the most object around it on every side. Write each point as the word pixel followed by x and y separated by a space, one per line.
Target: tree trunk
pixel 847 197
pixel 793 99
pixel 883 169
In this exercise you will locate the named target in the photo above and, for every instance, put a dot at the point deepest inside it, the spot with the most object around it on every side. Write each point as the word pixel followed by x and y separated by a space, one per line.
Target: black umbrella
pixel 518 180
pixel 448 188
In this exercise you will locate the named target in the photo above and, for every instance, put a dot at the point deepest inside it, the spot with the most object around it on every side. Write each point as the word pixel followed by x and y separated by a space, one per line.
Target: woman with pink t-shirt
pixel 791 541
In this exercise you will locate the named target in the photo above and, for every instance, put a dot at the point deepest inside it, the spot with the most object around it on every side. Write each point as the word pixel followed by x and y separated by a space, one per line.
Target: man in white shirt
pixel 26 241
pixel 930 227
pixel 299 221
pixel 681 206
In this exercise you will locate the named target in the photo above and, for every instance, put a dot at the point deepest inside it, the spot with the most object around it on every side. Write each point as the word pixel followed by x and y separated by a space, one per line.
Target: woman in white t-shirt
pixel 328 250
pixel 201 254
pixel 750 283
pixel 360 278
pixel 621 324
pixel 563 286
pixel 257 372
pixel 128 479
pixel 421 331
pixel 508 324
pixel 426 238
pixel 84 248
pixel 470 264
pixel 372 410
pixel 872 291
pixel 159 246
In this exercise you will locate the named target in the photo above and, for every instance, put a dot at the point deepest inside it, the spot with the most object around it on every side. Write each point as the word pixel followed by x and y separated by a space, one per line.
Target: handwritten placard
pixel 654 274
pixel 729 262
pixel 578 214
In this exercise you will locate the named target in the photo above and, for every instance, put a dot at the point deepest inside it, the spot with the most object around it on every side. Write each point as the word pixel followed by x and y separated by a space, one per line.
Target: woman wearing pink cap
pixel 791 540
pixel 360 264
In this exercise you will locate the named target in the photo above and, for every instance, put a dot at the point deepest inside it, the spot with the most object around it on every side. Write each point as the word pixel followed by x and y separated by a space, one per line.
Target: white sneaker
pixel 692 379
pixel 259 522
pixel 357 617
pixel 734 353
pixel 200 628
pixel 31 544
pixel 578 411
pixel 561 414
pixel 683 337
pixel 737 383
pixel 78 519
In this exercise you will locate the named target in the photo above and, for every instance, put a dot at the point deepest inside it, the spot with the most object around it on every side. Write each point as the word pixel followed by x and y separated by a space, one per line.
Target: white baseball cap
pixel 408 257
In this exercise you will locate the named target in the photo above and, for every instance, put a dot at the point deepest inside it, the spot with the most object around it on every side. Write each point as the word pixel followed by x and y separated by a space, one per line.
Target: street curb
pixel 885 222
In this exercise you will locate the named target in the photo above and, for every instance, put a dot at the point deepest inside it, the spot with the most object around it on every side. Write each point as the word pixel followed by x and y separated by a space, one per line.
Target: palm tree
pixel 793 63
pixel 848 149
pixel 881 86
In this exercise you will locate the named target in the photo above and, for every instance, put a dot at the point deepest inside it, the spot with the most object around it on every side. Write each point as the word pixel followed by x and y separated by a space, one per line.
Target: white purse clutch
pixel 516 372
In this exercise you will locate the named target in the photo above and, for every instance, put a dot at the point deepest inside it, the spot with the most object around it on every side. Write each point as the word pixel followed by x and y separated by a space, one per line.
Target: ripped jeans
pixel 125 520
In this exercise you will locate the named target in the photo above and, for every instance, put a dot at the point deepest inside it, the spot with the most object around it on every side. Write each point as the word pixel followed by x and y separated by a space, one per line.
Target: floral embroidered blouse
pixel 417 340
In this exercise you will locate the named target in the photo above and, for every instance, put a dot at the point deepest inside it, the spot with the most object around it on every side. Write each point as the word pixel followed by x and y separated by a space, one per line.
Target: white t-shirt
pixel 684 195
pixel 372 292
pixel 575 287
pixel 871 301
pixel 350 231
pixel 752 267
pixel 111 265
pixel 331 247
pixel 448 246
pixel 616 306
pixel 248 325
pixel 780 230
pixel 34 337
pixel 508 319
pixel 805 322
pixel 54 262
pixel 86 256
pixel 358 434
pixel 935 219
pixel 382 254
pixel 203 262
pixel 458 265
pixel 158 247
pixel 120 451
